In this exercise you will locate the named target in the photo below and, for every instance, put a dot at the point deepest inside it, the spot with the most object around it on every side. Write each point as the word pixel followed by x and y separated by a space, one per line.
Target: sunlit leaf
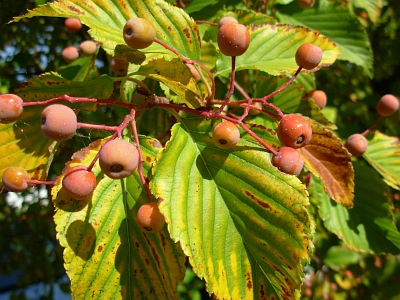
pixel 372 7
pixel 368 226
pixel 107 255
pixel 327 159
pixel 383 154
pixel 242 223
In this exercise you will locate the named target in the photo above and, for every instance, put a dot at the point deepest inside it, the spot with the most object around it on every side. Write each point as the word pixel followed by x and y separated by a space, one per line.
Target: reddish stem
pixel 36 182
pixel 372 126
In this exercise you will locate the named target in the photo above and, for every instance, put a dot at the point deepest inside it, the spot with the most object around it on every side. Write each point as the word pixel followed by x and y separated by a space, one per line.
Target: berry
pixel 195 73
pixel 139 33
pixel 88 48
pixel 15 179
pixel 226 135
pixel 59 122
pixel 118 159
pixel 227 20
pixel 73 25
pixel 308 56
pixel 357 144
pixel 306 3
pixel 288 161
pixel 79 183
pixel 11 108
pixel 150 218
pixel 387 105
pixel 119 66
pixel 70 54
pixel 294 131
pixel 233 39
pixel 319 97
pixel 253 111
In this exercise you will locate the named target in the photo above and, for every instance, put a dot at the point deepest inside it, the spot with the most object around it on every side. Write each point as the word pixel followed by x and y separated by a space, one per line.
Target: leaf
pixel 383 153
pixel 106 20
pixel 373 8
pixel 273 47
pixel 368 226
pixel 327 159
pixel 339 258
pixel 242 223
pixel 336 23
pixel 107 255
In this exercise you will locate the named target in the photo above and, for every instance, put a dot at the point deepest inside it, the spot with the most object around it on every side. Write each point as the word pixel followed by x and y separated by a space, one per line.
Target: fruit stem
pixel 36 182
pixel 372 126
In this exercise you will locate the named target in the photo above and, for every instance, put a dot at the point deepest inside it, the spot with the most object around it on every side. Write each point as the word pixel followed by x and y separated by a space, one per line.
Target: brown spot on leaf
pixel 249 283
pixel 75 10
pixel 253 197
pixel 100 248
pixel 186 32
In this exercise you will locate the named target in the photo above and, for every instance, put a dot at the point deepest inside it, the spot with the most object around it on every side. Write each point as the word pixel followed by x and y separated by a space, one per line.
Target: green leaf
pixel 373 8
pixel 242 223
pixel 107 255
pixel 368 226
pixel 383 154
pixel 197 5
pixel 336 23
pixel 339 258
pixel 106 20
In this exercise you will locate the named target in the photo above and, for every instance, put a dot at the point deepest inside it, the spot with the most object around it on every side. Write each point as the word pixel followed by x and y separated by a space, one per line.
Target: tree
pixel 231 200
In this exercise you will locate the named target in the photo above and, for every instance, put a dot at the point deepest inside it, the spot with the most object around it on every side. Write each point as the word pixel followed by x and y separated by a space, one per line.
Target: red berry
pixel 294 131
pixel 288 161
pixel 357 144
pixel 139 33
pixel 70 54
pixel 226 135
pixel 387 105
pixel 233 39
pixel 308 56
pixel 150 218
pixel 319 97
pixel 306 3
pixel 73 25
pixel 79 183
pixel 88 48
pixel 195 73
pixel 118 159
pixel 59 122
pixel 119 66
pixel 14 179
pixel 227 20
pixel 11 108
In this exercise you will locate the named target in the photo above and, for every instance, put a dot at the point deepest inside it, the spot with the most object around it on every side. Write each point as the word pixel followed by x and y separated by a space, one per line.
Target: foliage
pixel 233 220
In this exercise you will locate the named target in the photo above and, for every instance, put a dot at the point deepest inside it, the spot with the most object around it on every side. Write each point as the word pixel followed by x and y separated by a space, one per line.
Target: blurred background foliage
pixel 29 250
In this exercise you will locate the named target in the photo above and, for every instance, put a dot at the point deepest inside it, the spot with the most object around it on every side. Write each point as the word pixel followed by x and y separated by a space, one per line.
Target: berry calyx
pixel 70 54
pixel 59 122
pixel 227 20
pixel 233 39
pixel 150 218
pixel 139 33
pixel 225 135
pixel 15 179
pixel 294 131
pixel 308 56
pixel 119 66
pixel 11 108
pixel 387 105
pixel 118 159
pixel 288 161
pixel 79 183
pixel 306 3
pixel 88 48
pixel 72 25
pixel 356 144
pixel 319 97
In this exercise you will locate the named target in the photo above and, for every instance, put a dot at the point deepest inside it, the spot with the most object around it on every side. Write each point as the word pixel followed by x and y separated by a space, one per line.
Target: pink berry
pixel 319 97
pixel 233 39
pixel 70 54
pixel 119 66
pixel 59 122
pixel 387 105
pixel 288 161
pixel 308 56
pixel 72 25
pixel 357 144
pixel 306 3
pixel 88 48
pixel 226 135
pixel 150 218
pixel 118 159
pixel 294 131
pixel 11 108
pixel 79 183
